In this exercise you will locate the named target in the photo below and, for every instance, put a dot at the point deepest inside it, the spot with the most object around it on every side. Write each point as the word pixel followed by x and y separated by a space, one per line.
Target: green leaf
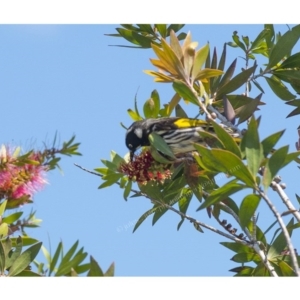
pixel 260 38
pixel 253 149
pixel 110 271
pixel 222 193
pixel 158 214
pixel 116 158
pixel 66 267
pixel 185 92
pixel 134 115
pixel 152 106
pixel 3 230
pixel 2 259
pixel 95 269
pixel 26 241
pixel 179 112
pixel 236 247
pixel 162 29
pixel 284 46
pixel 127 189
pixel 56 255
pixel 184 202
pixel 274 164
pixel 269 142
pixel 248 208
pixel 245 257
pixel 226 139
pixel 228 74
pixel 279 88
pixel 110 179
pixel 200 58
pixel 70 253
pixel 135 38
pixel 234 166
pixel 3 207
pixel 12 218
pixel 292 61
pixel 286 269
pixel 175 27
pixel 279 243
pixel 235 82
pixel 236 39
pixel 144 216
pixel 158 143
pixel 208 73
pixel 24 259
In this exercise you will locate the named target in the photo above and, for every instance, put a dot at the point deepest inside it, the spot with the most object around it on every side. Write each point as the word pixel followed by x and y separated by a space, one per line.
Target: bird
pixel 179 133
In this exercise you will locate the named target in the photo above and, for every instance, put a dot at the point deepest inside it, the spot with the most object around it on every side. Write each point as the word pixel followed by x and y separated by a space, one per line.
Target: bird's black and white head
pixel 136 137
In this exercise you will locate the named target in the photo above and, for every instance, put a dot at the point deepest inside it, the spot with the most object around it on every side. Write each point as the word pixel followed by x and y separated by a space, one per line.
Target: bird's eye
pixel 130 146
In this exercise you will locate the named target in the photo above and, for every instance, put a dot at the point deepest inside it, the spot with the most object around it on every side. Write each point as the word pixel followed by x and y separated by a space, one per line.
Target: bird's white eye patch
pixel 138 132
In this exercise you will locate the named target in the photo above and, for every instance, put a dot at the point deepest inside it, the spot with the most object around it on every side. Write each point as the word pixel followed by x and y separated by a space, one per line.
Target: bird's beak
pixel 131 155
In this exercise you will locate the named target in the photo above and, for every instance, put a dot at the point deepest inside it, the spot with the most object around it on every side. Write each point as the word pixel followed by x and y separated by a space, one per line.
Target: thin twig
pixel 285 199
pixel 284 230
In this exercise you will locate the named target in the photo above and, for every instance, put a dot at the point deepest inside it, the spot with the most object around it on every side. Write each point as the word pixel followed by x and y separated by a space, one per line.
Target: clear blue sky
pixel 66 78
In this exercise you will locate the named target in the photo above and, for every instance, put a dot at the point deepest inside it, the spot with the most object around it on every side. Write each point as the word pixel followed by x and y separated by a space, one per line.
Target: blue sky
pixel 67 79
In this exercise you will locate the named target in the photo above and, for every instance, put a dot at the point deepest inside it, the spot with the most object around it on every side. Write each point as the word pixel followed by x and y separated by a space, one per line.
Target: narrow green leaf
pixel 162 29
pixel 279 88
pixel 222 193
pixel 227 140
pixel 234 166
pixel 245 257
pixel 179 112
pixel 235 82
pixel 54 260
pixel 279 243
pixel 175 27
pixel 260 38
pixel 185 92
pixel 3 230
pixel 253 148
pixel 236 39
pixel 12 218
pixel 24 259
pixel 286 269
pixel 292 61
pixel 228 74
pixel 248 208
pixel 200 58
pixel 158 214
pixel 198 227
pixel 95 269
pixel 274 164
pixel 2 259
pixel 70 253
pixel 110 271
pixel 3 207
pixel 158 143
pixel 127 189
pixel 269 142
pixel 65 268
pixel 236 247
pixel 144 216
pixel 284 46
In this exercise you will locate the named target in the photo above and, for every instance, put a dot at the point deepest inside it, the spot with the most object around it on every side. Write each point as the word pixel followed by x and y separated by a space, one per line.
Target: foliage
pixel 218 92
pixel 21 176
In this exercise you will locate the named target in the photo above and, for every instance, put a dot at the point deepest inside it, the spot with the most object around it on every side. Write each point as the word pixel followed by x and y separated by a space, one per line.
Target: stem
pixel 285 199
pixel 284 230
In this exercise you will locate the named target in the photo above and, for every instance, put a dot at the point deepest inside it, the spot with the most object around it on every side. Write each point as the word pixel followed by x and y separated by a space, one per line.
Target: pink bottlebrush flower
pixel 18 179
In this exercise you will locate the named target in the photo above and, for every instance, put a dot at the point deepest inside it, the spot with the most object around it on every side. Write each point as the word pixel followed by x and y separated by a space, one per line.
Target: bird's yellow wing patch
pixel 187 123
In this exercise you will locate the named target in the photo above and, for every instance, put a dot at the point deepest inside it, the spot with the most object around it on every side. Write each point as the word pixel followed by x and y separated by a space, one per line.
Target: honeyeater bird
pixel 179 133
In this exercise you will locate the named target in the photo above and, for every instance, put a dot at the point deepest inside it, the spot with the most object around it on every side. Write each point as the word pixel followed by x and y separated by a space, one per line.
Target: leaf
pixel 274 164
pixel 229 112
pixel 2 259
pixel 175 27
pixel 269 142
pixel 24 259
pixel 179 112
pixel 3 230
pixel 260 38
pixel 236 247
pixel 208 73
pixel 228 74
pixel 248 208
pixel 158 143
pixel 66 267
pixel 110 179
pixel 236 39
pixel 95 269
pixel 292 61
pixel 279 88
pixel 235 82
pixel 234 166
pixel 253 149
pixel 12 218
pixel 226 139
pixel 245 257
pixel 134 115
pixel 200 58
pixel 152 106
pixel 284 46
pixel 127 189
pixel 279 243
pixel 3 207
pixel 222 193
pixel 26 241
pixel 110 271
pixel 54 260
pixel 185 92
pixel 144 216
pixel 162 29
pixel 286 269
pixel 15 254
pixel 135 38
